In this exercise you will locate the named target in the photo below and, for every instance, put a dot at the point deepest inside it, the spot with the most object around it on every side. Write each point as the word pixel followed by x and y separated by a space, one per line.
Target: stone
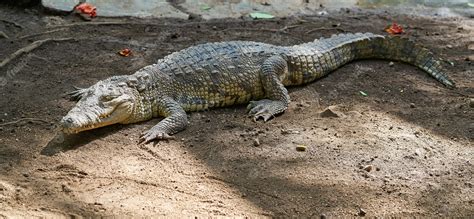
pixel 300 147
pixel 330 112
pixel 256 142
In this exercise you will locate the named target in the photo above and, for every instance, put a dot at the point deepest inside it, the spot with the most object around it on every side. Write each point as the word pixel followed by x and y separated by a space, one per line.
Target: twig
pixel 326 28
pixel 42 33
pixel 28 49
pixel 23 119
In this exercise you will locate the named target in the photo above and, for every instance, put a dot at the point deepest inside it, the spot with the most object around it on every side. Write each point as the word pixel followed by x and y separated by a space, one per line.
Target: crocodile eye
pixel 107 98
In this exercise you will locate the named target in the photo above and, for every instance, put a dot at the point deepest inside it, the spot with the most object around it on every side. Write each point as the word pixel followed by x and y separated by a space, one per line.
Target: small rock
pixel 289 131
pixel 66 188
pixel 26 175
pixel 412 105
pixel 256 142
pixel 300 147
pixel 322 216
pixel 362 212
pixel 449 46
pixel 329 113
pixel 368 168
pixel 470 47
pixel 302 104
pixel 471 102
pixel 470 58
pixel 391 64
pixel 214 27
pixel 322 13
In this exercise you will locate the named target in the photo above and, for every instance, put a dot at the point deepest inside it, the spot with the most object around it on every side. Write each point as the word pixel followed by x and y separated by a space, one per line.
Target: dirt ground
pixel 405 149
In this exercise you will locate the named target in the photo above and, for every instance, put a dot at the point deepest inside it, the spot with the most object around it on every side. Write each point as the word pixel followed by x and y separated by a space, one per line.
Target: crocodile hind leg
pixel 272 71
pixel 175 120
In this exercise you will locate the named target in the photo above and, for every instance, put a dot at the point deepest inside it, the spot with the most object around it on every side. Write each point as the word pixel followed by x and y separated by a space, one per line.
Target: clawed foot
pixel 150 135
pixel 265 109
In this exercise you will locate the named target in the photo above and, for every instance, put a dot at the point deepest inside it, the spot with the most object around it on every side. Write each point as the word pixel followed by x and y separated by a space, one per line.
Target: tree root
pixel 28 49
pixel 21 120
pixel 42 33
pixel 3 35
pixel 326 28
pixel 13 23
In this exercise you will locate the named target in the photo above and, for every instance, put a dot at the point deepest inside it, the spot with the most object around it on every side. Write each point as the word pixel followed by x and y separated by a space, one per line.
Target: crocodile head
pixel 107 102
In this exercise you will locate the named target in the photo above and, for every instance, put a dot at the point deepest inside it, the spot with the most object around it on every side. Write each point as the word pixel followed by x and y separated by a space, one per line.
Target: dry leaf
pixel 87 9
pixel 394 29
pixel 125 52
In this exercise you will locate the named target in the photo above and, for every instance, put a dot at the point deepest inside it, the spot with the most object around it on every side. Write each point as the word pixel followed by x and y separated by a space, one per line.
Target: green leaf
pixel 205 7
pixel 470 5
pixel 363 93
pixel 261 15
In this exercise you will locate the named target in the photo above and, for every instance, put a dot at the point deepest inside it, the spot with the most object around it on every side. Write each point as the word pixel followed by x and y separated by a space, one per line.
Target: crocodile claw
pixel 151 135
pixel 262 109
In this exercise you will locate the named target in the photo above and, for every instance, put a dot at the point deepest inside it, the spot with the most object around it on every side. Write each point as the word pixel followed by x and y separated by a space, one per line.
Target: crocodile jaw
pixel 101 105
pixel 77 121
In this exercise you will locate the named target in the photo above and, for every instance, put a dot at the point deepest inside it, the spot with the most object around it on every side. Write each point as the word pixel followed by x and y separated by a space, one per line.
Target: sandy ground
pixel 405 149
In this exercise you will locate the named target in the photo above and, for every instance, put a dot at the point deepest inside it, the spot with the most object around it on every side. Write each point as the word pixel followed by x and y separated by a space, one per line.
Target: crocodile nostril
pixel 69 120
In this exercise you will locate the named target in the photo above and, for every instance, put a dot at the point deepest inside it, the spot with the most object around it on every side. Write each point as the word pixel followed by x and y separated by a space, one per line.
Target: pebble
pixel 66 188
pixel 470 47
pixel 412 105
pixel 449 46
pixel 471 102
pixel 391 64
pixel 368 168
pixel 256 142
pixel 362 212
pixel 300 147
pixel 329 113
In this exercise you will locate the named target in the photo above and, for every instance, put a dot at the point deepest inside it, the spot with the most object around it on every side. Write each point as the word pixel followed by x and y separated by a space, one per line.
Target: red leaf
pixel 125 52
pixel 394 29
pixel 86 8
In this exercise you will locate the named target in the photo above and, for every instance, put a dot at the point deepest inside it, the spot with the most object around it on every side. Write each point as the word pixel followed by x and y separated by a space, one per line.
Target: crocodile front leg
pixel 175 120
pixel 277 99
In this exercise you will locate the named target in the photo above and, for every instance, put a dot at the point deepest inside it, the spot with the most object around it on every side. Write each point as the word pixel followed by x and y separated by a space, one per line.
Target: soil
pixel 403 149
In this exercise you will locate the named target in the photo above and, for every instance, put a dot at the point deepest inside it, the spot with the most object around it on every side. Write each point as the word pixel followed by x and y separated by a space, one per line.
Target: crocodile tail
pixel 368 45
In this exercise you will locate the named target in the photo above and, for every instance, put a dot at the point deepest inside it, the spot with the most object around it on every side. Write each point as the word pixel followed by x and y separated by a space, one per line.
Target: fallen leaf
pixel 394 29
pixel 205 7
pixel 363 93
pixel 86 8
pixel 261 15
pixel 125 52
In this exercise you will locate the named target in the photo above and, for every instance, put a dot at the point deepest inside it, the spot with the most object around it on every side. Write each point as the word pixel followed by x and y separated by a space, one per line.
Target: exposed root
pixel 23 119
pixel 281 30
pixel 42 33
pixel 13 23
pixel 28 49
pixel 326 28
pixel 3 35
pixel 105 23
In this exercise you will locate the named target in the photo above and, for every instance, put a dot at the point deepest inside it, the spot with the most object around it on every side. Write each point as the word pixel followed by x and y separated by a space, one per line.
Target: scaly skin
pixel 223 74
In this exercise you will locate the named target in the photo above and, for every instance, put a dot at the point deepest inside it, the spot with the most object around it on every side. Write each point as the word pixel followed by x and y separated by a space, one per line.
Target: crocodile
pixel 228 73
